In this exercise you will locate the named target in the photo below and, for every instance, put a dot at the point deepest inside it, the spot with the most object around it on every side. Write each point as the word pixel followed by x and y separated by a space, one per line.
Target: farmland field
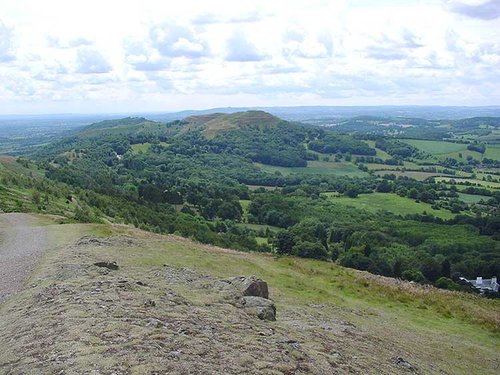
pixel 492 152
pixel 470 198
pixel 444 149
pixel 318 167
pixel 487 184
pixel 436 147
pixel 389 202
pixel 417 175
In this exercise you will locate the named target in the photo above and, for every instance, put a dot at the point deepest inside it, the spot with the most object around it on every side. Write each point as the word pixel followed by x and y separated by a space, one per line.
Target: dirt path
pixel 22 242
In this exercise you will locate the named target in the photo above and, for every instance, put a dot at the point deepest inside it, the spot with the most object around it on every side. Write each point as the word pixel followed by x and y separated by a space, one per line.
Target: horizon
pixel 152 57
pixel 245 108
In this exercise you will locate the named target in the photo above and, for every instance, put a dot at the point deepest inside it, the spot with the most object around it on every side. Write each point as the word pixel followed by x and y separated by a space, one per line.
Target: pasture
pixel 317 167
pixel 388 202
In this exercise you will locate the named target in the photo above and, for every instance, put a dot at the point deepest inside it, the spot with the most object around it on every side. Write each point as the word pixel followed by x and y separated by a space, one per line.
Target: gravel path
pixel 22 242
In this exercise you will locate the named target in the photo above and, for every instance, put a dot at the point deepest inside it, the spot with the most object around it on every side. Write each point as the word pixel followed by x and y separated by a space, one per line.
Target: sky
pixel 141 56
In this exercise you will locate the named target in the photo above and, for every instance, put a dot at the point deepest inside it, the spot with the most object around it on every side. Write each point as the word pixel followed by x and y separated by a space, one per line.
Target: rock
pixel 263 308
pixel 401 362
pixel 155 323
pixel 250 286
pixel 108 265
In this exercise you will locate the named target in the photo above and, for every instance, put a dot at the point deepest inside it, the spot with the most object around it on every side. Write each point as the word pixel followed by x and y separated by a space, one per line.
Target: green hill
pixel 213 124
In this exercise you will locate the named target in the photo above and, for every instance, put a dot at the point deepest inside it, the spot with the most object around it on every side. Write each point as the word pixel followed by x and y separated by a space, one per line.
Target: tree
pixel 285 242
pixel 446 268
pixel 306 249
pixel 397 268
pixel 229 211
pixel 430 268
pixel 446 283
pixel 351 192
pixel 384 186
pixel 413 193
pixel 413 275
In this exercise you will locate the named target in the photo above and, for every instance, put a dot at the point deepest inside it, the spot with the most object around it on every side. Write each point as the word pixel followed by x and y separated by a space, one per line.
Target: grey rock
pixel 155 323
pixel 401 362
pixel 263 308
pixel 250 286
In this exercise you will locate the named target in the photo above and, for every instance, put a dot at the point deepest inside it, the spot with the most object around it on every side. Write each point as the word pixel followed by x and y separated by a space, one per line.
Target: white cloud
pixel 6 44
pixel 149 55
pixel 239 48
pixel 90 61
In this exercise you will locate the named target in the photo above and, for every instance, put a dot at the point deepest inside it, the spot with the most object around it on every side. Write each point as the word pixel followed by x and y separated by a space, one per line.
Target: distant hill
pixel 216 123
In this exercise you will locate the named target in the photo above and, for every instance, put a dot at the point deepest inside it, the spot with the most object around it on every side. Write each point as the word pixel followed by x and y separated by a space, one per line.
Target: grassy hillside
pixel 389 202
pixel 329 319
pixel 216 123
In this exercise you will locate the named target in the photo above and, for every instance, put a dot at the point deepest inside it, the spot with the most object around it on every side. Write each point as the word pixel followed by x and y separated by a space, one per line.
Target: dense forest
pixel 253 182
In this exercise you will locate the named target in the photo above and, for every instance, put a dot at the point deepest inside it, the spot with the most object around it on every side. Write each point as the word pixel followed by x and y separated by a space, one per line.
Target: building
pixel 484 284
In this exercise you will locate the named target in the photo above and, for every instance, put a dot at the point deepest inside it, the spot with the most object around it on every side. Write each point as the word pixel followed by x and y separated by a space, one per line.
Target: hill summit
pixel 215 123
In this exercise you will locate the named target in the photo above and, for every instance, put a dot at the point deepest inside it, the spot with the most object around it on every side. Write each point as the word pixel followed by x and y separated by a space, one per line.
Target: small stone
pixel 155 323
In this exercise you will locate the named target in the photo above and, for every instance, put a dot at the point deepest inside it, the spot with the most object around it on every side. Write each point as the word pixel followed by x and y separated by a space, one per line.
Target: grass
pixel 417 175
pixel 140 147
pixel 373 319
pixel 258 227
pixel 16 198
pixel 389 202
pixel 492 152
pixel 487 184
pixel 436 147
pixel 471 198
pixel 318 167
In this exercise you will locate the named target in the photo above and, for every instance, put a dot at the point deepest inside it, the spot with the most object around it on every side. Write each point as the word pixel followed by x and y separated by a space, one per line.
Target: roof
pixel 485 285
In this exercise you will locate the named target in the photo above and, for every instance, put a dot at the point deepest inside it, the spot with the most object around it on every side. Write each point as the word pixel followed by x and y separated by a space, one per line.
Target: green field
pixel 471 199
pixel 436 147
pixel 417 175
pixel 486 184
pixel 317 167
pixel 380 153
pixel 140 147
pixel 389 202
pixel 443 149
pixel 492 152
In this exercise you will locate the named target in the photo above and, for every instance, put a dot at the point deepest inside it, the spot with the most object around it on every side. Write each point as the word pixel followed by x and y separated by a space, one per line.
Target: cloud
pixel 178 41
pixel 488 10
pixel 90 61
pixel 214 18
pixel 239 48
pixel 6 44
pixel 385 53
pixel 298 43
pixel 396 46
pixel 57 42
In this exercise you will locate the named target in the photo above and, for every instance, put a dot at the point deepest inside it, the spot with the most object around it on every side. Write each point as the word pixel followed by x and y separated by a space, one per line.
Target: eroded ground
pixel 153 315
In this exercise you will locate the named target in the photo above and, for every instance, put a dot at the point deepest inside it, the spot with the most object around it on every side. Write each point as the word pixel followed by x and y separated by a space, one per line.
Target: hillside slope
pixel 160 313
pixel 215 123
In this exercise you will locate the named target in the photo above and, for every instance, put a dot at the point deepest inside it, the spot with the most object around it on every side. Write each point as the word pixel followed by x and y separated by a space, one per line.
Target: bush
pixel 413 275
pixel 306 249
pixel 446 283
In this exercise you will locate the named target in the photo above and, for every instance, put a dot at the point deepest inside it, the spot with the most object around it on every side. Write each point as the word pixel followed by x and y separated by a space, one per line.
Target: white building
pixel 484 284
